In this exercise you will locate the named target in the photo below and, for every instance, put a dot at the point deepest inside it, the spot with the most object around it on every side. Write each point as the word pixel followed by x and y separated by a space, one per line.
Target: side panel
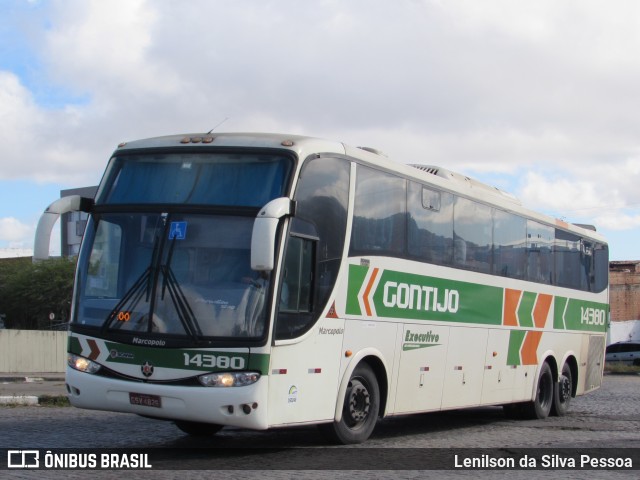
pixel 497 332
pixel 464 369
pixel 375 338
pixel 499 377
pixel 422 371
pixel 595 362
pixel 303 376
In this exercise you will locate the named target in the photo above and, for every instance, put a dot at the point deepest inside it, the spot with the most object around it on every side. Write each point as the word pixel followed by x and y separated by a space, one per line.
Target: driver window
pixel 297 276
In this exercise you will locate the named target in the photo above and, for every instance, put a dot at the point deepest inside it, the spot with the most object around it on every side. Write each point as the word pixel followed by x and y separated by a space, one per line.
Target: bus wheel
pixel 360 409
pixel 562 392
pixel 198 429
pixel 541 406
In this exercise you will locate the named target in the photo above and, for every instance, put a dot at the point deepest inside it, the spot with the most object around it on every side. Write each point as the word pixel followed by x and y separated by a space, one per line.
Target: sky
pixel 541 99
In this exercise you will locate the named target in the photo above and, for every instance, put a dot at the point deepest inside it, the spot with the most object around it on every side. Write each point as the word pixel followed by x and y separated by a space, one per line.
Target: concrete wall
pixel 32 351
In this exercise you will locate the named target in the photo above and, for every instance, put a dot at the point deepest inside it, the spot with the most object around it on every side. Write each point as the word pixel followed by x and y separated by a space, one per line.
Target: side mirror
pixel 263 238
pixel 73 203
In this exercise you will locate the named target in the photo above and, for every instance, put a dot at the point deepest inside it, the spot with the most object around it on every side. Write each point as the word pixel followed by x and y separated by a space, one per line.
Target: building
pixel 72 224
pixel 624 300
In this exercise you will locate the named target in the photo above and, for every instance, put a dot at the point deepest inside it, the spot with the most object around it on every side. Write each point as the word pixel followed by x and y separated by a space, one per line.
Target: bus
pixel 262 281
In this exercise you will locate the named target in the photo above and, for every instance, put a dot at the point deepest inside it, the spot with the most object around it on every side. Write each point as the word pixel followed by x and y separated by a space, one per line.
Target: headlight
pixel 82 364
pixel 228 379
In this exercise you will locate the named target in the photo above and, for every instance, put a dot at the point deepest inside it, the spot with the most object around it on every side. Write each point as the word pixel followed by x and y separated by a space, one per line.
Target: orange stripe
pixel 511 300
pixel 541 310
pixel 529 350
pixel 367 291
pixel 95 350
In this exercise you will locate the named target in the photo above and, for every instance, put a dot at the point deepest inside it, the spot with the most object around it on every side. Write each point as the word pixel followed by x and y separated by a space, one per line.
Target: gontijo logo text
pixel 376 292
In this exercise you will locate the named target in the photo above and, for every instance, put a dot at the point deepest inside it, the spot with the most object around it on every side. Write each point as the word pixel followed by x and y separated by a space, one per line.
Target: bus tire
pixel 562 391
pixel 540 407
pixel 360 410
pixel 198 429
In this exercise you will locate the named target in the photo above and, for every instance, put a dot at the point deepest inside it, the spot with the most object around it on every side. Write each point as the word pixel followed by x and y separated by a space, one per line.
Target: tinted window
pixel 430 224
pixel 567 253
pixel 379 219
pixel 509 241
pixel 601 263
pixel 207 179
pixel 315 245
pixel 472 235
pixel 539 252
pixel 297 276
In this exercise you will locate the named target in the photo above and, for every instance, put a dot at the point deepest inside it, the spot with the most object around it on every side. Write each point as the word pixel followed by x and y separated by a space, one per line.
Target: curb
pixel 31 379
pixel 19 400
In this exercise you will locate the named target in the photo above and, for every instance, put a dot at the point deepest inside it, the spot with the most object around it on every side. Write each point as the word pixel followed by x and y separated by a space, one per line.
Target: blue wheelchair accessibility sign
pixel 178 231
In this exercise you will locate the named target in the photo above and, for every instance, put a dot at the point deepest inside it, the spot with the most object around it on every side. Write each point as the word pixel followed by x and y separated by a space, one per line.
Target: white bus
pixel 262 281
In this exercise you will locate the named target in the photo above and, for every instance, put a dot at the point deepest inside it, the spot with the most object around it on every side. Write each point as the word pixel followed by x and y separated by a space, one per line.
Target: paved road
pixel 607 418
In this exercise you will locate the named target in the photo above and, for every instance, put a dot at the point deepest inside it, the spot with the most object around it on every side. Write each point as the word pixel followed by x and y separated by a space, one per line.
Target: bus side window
pixel 295 315
pixel 297 276
pixel 429 224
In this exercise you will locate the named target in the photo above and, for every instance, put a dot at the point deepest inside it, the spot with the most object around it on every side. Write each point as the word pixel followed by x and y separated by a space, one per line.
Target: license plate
pixel 145 400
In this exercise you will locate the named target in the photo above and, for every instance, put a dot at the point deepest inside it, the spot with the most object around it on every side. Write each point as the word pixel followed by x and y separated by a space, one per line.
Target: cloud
pixel 15 233
pixel 545 92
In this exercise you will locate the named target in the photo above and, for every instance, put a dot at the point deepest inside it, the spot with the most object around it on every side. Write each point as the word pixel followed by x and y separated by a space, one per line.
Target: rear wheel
pixel 360 409
pixel 198 429
pixel 540 407
pixel 562 392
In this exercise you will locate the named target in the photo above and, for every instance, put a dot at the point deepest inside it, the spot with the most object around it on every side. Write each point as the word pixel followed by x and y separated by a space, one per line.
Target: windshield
pixel 221 179
pixel 167 250
pixel 176 274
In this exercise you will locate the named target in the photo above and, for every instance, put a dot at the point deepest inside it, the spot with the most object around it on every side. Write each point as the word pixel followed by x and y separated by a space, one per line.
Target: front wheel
pixel 360 409
pixel 198 429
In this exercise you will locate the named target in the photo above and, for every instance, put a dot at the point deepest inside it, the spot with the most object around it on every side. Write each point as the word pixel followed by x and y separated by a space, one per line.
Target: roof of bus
pixel 304 146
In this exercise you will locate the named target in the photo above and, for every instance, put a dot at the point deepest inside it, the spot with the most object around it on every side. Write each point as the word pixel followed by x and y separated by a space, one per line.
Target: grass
pixel 53 401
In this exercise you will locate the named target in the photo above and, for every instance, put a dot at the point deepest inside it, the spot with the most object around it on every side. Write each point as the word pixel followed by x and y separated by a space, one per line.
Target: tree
pixel 30 293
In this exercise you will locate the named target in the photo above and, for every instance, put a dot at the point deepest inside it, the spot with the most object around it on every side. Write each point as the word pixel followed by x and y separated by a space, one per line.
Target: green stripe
pixel 516 339
pixel 581 315
pixel 558 310
pixel 73 345
pixel 525 310
pixel 357 274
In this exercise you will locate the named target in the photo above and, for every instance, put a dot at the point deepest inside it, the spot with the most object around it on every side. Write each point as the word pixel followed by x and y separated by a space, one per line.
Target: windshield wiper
pixel 131 298
pixel 185 313
pixel 143 285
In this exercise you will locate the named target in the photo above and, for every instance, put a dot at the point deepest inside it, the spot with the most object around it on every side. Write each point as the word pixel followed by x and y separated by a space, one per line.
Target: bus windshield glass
pixel 221 179
pixel 176 274
pixel 178 264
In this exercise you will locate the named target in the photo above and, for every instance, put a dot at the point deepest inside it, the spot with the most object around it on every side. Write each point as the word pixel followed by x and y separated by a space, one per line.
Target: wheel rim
pixel 358 404
pixel 565 389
